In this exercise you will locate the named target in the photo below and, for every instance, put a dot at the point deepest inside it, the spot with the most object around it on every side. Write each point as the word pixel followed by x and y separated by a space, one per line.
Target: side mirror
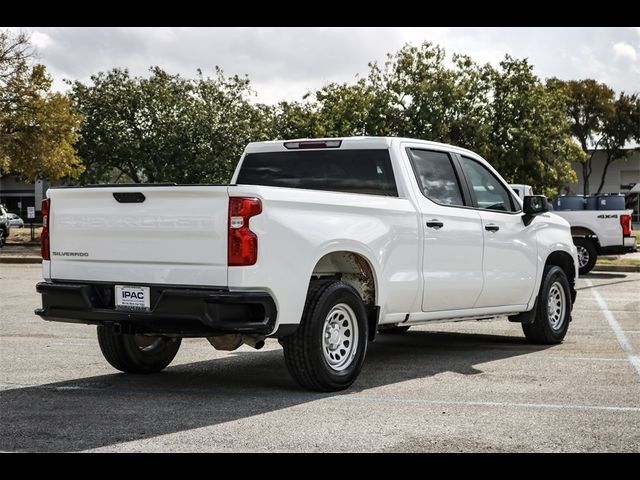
pixel 533 205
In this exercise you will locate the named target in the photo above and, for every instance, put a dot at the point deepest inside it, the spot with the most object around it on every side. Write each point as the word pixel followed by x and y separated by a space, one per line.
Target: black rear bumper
pixel 178 311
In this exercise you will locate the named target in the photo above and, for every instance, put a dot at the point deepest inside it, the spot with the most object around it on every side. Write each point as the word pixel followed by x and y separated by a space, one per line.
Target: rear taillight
pixel 45 206
pixel 243 243
pixel 625 222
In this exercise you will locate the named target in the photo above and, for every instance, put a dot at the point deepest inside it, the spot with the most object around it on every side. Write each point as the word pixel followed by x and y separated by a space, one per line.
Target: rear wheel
pixel 327 351
pixel 587 254
pixel 553 309
pixel 3 237
pixel 137 353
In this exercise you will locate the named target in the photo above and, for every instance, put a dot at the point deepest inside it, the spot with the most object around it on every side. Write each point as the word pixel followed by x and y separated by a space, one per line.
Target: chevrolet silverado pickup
pixel 319 243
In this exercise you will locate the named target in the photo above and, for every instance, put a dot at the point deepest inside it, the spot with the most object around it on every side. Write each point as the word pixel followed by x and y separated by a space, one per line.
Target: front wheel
pixel 553 309
pixel 327 350
pixel 587 254
pixel 137 353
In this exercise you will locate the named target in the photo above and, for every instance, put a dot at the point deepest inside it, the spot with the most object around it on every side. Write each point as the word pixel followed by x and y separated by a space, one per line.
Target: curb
pixel 616 268
pixel 15 259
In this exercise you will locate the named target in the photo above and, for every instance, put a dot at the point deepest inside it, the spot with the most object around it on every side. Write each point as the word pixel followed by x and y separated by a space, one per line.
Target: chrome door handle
pixel 435 224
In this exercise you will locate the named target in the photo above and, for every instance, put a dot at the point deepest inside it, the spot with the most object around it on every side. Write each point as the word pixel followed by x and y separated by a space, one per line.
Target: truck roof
pixel 348 143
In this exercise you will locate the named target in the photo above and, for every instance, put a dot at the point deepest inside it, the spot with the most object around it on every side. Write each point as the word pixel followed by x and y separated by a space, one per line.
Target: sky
pixel 283 63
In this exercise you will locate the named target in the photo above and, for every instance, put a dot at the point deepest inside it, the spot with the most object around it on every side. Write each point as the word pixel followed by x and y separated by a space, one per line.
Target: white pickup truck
pixel 595 232
pixel 319 243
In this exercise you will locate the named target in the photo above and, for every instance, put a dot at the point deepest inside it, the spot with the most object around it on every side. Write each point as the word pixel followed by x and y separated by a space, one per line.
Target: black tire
pixel 394 330
pixel 587 248
pixel 304 350
pixel 129 354
pixel 3 237
pixel 542 331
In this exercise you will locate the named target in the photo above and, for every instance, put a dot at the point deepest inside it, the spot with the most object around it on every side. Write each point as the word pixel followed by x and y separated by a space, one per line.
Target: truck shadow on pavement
pixel 104 410
pixel 605 276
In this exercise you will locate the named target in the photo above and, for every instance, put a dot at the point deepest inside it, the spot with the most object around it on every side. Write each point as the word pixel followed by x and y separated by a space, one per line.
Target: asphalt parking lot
pixel 469 386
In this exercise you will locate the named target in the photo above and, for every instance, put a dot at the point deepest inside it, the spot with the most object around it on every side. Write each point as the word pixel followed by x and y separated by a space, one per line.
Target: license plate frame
pixel 132 298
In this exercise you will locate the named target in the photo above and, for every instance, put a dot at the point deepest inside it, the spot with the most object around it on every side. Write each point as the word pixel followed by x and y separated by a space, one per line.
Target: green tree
pixel 288 120
pixel 423 98
pixel 37 127
pixel 589 104
pixel 165 128
pixel 505 114
pixel 529 140
pixel 620 126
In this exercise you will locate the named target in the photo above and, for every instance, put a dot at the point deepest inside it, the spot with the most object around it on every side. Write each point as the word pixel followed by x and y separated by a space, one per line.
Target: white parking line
pixel 617 330
pixel 478 403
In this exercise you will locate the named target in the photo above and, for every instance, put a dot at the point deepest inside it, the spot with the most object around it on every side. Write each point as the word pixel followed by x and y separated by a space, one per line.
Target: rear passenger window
pixel 436 176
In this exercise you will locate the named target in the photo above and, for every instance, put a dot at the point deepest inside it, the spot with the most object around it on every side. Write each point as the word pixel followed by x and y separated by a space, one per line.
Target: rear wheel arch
pixel 578 231
pixel 353 269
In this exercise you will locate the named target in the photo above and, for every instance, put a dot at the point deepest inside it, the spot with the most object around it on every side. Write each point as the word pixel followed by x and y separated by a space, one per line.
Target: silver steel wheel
pixel 583 256
pixel 340 337
pixel 149 344
pixel 556 306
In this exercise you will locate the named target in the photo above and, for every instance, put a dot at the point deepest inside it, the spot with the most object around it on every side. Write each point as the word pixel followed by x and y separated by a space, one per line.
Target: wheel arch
pixel 582 231
pixel 562 259
pixel 354 268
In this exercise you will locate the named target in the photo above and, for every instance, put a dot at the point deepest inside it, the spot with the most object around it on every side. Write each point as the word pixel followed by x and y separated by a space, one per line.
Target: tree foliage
pixel 599 120
pixel 37 128
pixel 588 106
pixel 620 126
pixel 165 128
pixel 505 114
pixel 529 141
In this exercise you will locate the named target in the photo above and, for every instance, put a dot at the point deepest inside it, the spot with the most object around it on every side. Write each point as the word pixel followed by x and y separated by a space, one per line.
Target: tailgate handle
pixel 129 197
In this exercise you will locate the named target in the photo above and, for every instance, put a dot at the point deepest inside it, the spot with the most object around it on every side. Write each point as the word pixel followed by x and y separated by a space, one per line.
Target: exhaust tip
pixel 254 341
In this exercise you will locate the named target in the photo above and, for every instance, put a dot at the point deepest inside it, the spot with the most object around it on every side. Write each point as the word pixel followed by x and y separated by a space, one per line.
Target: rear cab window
pixel 349 171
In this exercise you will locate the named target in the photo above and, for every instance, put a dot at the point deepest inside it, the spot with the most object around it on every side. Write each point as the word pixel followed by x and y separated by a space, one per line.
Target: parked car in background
pixel 600 225
pixel 5 225
pixel 15 220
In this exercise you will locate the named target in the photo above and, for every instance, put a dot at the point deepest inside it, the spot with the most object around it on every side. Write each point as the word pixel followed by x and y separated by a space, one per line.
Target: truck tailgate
pixel 172 235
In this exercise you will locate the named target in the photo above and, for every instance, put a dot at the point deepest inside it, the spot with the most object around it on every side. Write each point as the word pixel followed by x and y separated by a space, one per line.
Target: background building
pixel 620 173
pixel 16 195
